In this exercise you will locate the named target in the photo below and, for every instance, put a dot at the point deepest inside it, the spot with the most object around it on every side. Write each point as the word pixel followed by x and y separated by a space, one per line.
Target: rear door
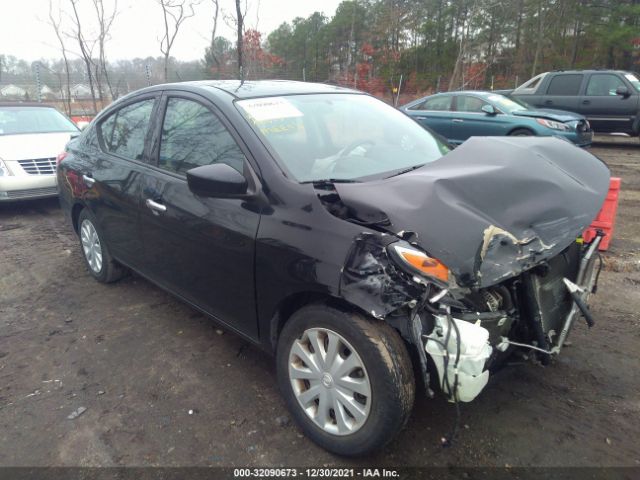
pixel 199 248
pixel 563 90
pixel 606 111
pixel 113 178
pixel 470 121
pixel 435 113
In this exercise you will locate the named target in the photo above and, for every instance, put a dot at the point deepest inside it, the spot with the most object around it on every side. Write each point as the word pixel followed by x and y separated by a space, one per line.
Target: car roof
pixel 481 93
pixel 592 70
pixel 255 88
pixel 25 104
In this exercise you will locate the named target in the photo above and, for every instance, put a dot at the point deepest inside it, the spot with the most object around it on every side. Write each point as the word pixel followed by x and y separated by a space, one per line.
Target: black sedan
pixel 336 233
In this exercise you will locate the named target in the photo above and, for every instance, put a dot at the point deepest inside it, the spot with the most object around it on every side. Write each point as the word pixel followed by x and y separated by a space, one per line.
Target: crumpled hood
pixel 550 114
pixel 493 207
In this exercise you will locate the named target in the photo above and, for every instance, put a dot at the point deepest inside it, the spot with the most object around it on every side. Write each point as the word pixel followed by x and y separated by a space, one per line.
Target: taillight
pixel 60 157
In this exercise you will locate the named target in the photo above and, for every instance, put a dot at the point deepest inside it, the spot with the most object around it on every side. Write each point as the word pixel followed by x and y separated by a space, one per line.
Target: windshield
pixel 507 104
pixel 340 137
pixel 634 80
pixel 15 120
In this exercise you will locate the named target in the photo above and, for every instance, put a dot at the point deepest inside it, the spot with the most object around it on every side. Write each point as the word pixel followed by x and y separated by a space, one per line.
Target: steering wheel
pixel 343 158
pixel 352 146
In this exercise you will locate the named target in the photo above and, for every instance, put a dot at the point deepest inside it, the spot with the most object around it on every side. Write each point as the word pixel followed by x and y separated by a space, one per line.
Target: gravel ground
pixel 163 385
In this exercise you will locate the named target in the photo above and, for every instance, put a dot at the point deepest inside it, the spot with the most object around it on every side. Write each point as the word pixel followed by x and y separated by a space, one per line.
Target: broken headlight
pixel 420 262
pixel 552 125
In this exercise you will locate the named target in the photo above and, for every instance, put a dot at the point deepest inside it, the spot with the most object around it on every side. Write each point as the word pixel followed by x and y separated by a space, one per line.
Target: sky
pixel 136 32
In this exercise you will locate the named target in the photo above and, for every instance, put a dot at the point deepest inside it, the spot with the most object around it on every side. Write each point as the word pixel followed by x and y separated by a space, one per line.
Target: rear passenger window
pixel 193 136
pixel 438 104
pixel 123 133
pixel 565 84
pixel 603 84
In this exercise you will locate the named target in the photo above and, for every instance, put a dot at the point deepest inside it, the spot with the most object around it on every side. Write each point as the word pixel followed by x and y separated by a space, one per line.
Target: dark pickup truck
pixel 610 99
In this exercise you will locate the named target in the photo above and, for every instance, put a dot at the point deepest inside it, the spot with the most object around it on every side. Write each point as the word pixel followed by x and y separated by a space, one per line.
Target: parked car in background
pixel 331 230
pixel 31 137
pixel 609 99
pixel 460 115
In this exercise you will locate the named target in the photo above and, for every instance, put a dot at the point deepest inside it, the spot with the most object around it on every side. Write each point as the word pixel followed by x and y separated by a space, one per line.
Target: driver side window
pixel 465 103
pixel 192 136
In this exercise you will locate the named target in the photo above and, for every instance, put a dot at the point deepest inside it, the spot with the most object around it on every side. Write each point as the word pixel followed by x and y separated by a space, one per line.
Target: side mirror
pixel 489 110
pixel 622 91
pixel 216 180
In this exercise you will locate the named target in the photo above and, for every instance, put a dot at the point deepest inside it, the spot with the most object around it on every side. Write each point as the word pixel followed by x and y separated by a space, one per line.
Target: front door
pixel 200 248
pixel 606 111
pixel 470 121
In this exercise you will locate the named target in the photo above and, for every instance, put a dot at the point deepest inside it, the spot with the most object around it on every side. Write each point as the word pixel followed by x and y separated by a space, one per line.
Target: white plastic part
pixel 474 352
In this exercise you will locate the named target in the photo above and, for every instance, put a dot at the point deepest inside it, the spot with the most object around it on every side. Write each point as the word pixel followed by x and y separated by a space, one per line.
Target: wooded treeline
pixel 367 44
pixel 464 43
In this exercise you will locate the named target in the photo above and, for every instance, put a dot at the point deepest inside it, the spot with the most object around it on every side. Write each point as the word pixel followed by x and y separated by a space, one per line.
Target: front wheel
pixel 347 379
pixel 521 132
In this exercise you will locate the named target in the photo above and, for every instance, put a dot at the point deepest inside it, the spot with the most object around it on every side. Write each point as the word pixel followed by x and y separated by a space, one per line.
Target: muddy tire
pixel 347 379
pixel 95 252
pixel 521 132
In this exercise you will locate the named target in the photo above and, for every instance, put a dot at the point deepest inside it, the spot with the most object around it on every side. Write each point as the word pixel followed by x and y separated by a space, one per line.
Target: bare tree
pixel 216 7
pixel 175 12
pixel 55 24
pixel 105 21
pixel 86 49
pixel 539 38
pixel 239 22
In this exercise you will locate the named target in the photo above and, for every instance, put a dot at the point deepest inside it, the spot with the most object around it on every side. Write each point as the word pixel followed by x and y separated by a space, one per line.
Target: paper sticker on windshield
pixel 273 108
pixel 495 98
pixel 631 77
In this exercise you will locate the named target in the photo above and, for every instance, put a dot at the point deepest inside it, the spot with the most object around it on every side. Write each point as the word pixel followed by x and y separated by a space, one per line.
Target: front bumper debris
pixel 460 350
pixel 580 290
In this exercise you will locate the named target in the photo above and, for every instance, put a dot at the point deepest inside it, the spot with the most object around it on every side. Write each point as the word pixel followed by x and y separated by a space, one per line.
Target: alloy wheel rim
pixel 91 246
pixel 330 381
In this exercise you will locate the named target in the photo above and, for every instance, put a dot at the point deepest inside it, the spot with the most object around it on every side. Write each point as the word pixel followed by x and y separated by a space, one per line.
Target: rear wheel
pixel 521 132
pixel 96 255
pixel 347 379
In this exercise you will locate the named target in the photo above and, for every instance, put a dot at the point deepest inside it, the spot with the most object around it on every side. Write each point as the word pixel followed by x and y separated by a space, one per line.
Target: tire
pixel 367 420
pixel 521 132
pixel 97 258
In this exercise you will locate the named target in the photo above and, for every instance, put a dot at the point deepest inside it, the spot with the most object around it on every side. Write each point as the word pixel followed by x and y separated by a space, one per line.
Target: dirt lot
pixel 161 386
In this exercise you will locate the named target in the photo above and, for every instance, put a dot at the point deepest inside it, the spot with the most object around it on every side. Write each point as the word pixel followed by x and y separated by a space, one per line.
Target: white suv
pixel 31 136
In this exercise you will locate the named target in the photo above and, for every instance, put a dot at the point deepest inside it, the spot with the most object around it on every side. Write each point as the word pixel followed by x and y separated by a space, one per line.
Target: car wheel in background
pixel 347 379
pixel 95 252
pixel 521 132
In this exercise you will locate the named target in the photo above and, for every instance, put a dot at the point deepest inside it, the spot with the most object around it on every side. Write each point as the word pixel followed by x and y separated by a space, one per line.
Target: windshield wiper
pixel 406 170
pixel 324 181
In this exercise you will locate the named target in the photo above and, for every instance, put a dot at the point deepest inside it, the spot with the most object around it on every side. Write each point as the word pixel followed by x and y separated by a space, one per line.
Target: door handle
pixel 586 102
pixel 88 181
pixel 155 207
pixel 421 118
pixel 457 120
pixel 548 102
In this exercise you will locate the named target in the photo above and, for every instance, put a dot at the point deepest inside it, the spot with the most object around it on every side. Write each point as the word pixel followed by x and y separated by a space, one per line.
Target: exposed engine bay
pixel 476 259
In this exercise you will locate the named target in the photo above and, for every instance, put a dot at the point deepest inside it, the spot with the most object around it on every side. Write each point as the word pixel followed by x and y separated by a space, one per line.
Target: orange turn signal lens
pixel 423 263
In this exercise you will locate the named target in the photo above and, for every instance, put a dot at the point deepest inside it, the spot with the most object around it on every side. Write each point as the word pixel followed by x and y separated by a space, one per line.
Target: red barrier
pixel 606 218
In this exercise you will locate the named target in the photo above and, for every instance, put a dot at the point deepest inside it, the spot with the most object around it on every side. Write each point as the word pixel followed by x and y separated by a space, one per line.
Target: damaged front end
pixel 476 257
